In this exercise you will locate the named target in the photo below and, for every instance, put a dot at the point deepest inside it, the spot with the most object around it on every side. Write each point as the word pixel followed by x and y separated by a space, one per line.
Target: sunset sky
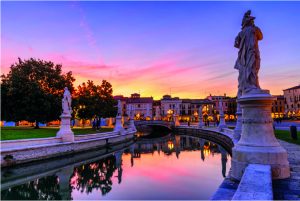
pixel 154 48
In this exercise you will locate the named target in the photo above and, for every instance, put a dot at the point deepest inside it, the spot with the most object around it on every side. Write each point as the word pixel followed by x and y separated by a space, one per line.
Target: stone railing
pixel 256 184
pixel 8 144
pixel 95 135
pixel 168 124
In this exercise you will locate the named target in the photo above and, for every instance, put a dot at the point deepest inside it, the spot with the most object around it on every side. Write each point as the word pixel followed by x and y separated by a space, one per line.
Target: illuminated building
pixel 169 106
pixel 278 107
pixel 140 106
pixel 292 101
pixel 228 103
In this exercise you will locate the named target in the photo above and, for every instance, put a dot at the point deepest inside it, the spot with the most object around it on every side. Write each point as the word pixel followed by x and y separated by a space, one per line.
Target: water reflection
pixel 170 167
pixel 46 188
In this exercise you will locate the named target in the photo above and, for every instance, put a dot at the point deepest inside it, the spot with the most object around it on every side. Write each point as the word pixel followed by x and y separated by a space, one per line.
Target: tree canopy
pixel 94 100
pixel 32 90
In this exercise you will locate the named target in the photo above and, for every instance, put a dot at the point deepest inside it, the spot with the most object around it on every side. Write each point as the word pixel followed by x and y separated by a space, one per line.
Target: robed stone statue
pixel 248 61
pixel 66 102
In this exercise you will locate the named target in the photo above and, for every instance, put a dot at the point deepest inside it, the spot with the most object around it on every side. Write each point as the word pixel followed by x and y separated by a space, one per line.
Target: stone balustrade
pixel 256 184
pixel 9 144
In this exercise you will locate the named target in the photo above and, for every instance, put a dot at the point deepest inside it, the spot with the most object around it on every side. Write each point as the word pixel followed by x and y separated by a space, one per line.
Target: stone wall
pixel 18 155
pixel 214 136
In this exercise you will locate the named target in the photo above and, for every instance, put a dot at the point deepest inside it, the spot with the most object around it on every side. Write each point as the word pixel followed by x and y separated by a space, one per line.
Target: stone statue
pixel 119 108
pixel 66 102
pixel 248 61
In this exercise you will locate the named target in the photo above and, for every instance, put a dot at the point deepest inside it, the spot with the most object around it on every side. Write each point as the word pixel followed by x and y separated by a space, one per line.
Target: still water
pixel 169 167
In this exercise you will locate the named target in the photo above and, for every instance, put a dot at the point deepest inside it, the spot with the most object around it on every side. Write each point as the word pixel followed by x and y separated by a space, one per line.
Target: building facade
pixel 228 104
pixel 292 102
pixel 141 107
pixel 278 107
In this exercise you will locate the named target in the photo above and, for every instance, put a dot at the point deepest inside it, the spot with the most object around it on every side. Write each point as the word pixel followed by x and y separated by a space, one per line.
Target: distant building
pixel 292 101
pixel 169 106
pixel 228 103
pixel 278 107
pixel 142 107
pixel 190 109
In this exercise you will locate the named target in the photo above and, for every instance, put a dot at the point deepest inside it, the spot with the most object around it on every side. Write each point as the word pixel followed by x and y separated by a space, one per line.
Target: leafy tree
pixel 32 91
pixel 94 100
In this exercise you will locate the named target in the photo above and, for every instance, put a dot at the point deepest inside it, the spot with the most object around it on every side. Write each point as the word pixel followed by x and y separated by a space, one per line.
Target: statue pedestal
pixel 222 123
pixel 118 125
pixel 131 125
pixel 200 124
pixel 258 144
pixel 65 131
pixel 238 126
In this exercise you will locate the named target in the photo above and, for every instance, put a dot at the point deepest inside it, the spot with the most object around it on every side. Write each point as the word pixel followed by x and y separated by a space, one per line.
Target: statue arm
pixel 237 41
pixel 259 34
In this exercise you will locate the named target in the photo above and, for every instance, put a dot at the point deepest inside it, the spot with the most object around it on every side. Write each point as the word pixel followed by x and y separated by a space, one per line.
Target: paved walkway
pixel 289 189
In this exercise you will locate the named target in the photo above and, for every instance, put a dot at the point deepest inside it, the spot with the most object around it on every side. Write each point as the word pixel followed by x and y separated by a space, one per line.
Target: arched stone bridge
pixel 166 124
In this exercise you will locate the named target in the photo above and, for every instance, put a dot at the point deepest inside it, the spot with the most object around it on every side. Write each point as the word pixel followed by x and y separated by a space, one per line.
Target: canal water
pixel 168 167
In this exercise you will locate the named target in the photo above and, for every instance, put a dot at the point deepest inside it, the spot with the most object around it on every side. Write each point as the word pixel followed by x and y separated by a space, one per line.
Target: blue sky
pixel 153 47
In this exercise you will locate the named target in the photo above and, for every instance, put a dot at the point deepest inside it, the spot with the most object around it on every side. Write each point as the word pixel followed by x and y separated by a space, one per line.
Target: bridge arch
pixel 155 124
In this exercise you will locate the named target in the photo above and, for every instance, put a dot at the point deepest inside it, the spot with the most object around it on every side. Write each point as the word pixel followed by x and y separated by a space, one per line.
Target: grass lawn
pixel 286 136
pixel 15 133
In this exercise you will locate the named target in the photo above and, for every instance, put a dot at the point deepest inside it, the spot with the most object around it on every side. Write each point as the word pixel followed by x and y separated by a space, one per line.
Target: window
pixel 139 105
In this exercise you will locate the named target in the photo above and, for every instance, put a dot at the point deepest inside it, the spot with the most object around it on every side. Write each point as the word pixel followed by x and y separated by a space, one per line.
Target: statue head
pixel 248 19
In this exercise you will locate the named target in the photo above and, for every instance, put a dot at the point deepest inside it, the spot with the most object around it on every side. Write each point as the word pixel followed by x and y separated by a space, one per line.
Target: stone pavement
pixel 289 189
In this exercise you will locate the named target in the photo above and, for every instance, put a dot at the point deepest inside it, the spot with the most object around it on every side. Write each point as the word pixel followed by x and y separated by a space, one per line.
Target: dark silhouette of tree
pixel 94 100
pixel 46 188
pixel 95 175
pixel 32 91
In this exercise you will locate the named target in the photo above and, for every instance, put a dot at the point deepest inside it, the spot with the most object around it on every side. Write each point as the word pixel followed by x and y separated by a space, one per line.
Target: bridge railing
pixel 155 122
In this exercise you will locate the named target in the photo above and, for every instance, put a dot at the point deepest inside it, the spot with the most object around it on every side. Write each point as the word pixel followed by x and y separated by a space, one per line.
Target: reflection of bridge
pixel 166 124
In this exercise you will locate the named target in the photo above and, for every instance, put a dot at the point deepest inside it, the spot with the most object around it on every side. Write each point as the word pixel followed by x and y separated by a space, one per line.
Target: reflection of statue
pixel 66 102
pixel 248 61
pixel 201 143
pixel 223 160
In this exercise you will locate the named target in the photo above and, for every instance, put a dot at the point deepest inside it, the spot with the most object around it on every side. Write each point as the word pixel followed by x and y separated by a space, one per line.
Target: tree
pixel 94 100
pixel 32 91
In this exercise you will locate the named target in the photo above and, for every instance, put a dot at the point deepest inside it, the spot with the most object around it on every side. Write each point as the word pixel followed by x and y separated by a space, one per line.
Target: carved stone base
pixel 65 131
pixel 222 123
pixel 131 125
pixel 118 125
pixel 258 144
pixel 200 124
pixel 242 156
pixel 238 126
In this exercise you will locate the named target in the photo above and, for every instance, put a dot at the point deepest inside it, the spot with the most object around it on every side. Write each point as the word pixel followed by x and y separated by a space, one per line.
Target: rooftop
pixel 295 87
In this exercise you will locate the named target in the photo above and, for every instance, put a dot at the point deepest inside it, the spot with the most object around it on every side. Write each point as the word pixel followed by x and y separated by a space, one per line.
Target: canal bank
pixel 15 152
